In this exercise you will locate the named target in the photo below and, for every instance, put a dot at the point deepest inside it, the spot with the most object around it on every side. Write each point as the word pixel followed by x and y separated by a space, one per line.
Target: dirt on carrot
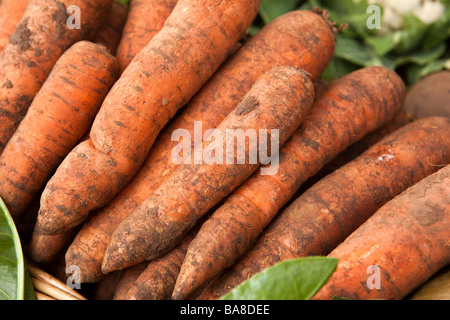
pixel 322 217
pixel 145 20
pixel 162 78
pixel 279 100
pixel 400 247
pixel 298 46
pixel 59 116
pixel 37 42
pixel 11 12
pixel 111 32
pixel 352 107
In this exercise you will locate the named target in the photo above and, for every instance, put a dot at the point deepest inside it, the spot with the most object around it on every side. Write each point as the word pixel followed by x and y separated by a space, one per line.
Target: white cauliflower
pixel 427 11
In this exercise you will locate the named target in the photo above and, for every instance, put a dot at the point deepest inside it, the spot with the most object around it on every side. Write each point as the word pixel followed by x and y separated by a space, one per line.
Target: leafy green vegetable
pixel 14 279
pixel 296 279
pixel 270 9
pixel 416 49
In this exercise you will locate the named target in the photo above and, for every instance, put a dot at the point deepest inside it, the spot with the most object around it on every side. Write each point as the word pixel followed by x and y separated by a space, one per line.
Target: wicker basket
pixel 47 287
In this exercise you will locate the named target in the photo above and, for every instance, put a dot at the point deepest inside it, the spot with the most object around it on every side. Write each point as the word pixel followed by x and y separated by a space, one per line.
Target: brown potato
pixel 430 96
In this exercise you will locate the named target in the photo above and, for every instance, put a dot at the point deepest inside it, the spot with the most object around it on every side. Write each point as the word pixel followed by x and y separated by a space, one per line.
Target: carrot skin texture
pixel 11 12
pixel 127 279
pixel 39 39
pixel 344 114
pixel 407 239
pixel 110 33
pixel 278 100
pixel 322 217
pixel 145 20
pixel 157 281
pixel 57 119
pixel 210 105
pixel 173 66
pixel 45 249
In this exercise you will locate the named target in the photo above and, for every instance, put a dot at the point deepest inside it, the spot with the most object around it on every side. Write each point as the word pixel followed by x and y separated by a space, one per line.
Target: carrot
pixel 106 288
pixel 45 249
pixel 154 280
pixel 406 241
pixel 38 41
pixel 211 105
pixel 110 33
pixel 332 209
pixel 356 149
pixel 278 100
pixel 173 66
pixel 127 278
pixel 158 279
pixel 11 12
pixel 145 20
pixel 352 107
pixel 57 119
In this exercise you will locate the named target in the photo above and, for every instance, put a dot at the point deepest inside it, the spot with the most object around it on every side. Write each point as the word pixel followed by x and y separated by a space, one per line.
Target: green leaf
pixel 296 279
pixel 12 267
pixel 416 72
pixel 422 57
pixel 338 68
pixel 383 44
pixel 271 9
pixel 361 55
pixel 438 31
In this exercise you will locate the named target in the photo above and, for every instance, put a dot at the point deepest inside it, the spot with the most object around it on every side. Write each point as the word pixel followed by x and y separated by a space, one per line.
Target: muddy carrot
pixel 353 106
pixel 11 12
pixel 296 47
pixel 145 20
pixel 356 149
pixel 127 278
pixel 37 42
pixel 106 288
pixel 279 100
pixel 404 244
pixel 322 217
pixel 158 279
pixel 45 249
pixel 110 33
pixel 59 116
pixel 167 73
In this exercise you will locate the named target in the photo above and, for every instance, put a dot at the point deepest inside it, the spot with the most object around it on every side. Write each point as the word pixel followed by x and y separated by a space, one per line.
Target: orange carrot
pixel 158 279
pixel 106 288
pixel 352 107
pixel 11 12
pixel 404 243
pixel 110 33
pixel 173 66
pixel 145 20
pixel 356 149
pixel 216 99
pixel 332 209
pixel 57 119
pixel 38 41
pixel 44 249
pixel 127 278
pixel 279 100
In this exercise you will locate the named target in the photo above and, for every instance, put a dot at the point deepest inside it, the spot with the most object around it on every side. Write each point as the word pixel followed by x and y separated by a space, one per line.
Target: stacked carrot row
pixel 88 118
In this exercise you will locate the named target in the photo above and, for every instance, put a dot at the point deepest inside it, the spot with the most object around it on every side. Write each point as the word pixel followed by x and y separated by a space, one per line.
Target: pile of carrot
pixel 115 158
